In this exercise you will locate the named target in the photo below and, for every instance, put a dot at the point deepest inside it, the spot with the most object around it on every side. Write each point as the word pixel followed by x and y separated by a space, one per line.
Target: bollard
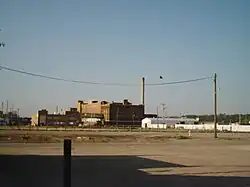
pixel 67 163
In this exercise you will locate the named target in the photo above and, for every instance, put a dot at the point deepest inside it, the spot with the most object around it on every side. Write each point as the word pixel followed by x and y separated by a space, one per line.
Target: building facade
pixel 115 113
pixel 71 117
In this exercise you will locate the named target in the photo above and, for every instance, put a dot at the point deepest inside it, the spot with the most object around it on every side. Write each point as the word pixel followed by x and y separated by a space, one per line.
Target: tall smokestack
pixel 143 91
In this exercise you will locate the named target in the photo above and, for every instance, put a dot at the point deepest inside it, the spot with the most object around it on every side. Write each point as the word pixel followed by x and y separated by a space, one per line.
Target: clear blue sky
pixel 120 41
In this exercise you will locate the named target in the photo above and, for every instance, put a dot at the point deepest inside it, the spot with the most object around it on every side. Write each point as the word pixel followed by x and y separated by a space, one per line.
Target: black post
pixel 67 163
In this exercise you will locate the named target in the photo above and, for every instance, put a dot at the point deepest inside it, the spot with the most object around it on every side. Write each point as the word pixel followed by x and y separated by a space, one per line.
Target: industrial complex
pixel 92 112
pixel 97 112
pixel 113 112
pixel 109 113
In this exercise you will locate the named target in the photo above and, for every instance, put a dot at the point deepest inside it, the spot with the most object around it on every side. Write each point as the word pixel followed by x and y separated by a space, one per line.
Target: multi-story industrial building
pixel 71 117
pixel 114 113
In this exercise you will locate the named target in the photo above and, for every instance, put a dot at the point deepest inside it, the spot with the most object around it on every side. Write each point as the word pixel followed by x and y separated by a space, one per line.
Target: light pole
pixel 163 110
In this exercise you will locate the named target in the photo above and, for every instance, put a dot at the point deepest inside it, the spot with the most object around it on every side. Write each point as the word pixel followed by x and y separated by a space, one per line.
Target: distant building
pixel 165 122
pixel 24 121
pixel 13 118
pixel 71 117
pixel 115 113
pixel 2 121
pixel 2 118
pixel 1 114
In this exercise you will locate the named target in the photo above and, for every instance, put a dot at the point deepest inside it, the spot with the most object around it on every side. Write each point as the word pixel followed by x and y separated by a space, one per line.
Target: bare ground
pixel 18 136
pixel 130 159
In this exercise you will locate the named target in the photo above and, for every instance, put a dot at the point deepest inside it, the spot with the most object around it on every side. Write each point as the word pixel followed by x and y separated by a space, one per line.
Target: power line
pixel 179 82
pixel 62 79
pixel 98 83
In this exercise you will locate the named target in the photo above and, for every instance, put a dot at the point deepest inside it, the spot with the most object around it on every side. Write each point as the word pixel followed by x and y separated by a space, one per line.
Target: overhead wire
pixel 98 83
pixel 179 82
pixel 61 79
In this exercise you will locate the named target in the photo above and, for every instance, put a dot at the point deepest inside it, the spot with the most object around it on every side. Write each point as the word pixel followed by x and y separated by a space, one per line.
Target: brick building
pixel 122 113
pixel 71 117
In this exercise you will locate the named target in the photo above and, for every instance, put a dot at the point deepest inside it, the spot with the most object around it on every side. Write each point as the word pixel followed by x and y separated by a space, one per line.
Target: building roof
pixel 103 102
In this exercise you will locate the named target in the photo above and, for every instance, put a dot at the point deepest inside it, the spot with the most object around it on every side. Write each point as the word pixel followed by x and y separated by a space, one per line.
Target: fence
pixel 85 129
pixel 197 127
pixel 232 127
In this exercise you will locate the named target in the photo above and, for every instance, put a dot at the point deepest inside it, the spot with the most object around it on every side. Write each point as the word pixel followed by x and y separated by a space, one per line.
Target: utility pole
pixel 215 105
pixel 143 93
pixel 157 111
pixel 163 110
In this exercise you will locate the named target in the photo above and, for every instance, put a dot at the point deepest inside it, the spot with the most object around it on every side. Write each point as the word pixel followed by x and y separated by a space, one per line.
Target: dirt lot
pixel 133 160
pixel 18 136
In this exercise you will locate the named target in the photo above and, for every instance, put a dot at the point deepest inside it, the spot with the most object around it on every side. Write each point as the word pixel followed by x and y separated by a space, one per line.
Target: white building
pixel 164 123
pixel 90 121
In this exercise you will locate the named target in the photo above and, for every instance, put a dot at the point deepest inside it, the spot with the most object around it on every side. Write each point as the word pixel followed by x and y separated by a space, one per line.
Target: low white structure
pixel 163 123
pixel 90 121
pixel 235 127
